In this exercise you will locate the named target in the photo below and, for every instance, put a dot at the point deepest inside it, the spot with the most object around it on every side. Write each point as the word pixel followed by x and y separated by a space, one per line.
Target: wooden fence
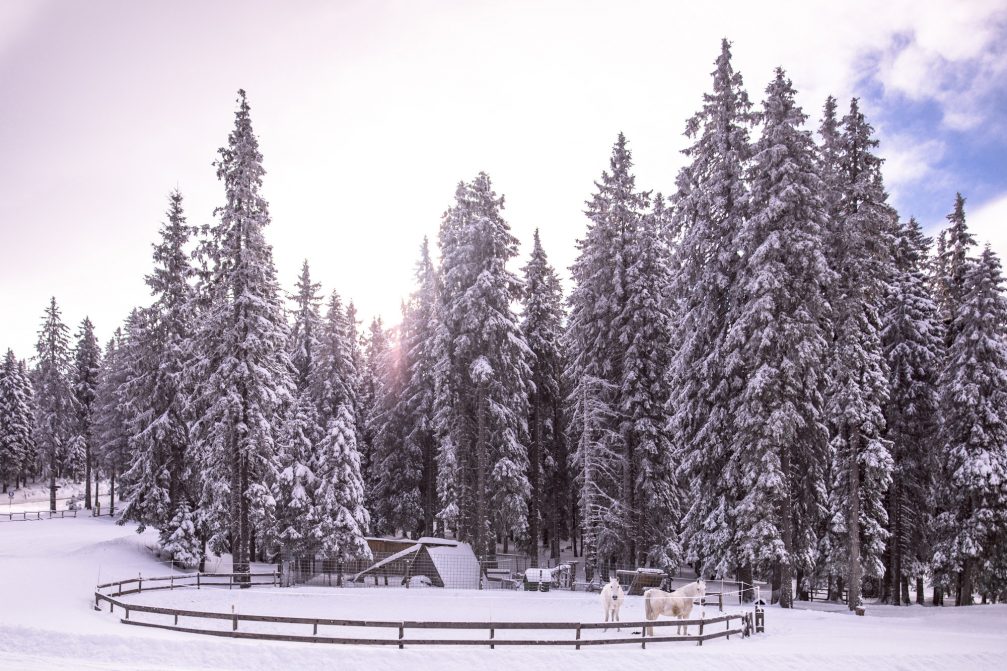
pixel 199 580
pixel 31 515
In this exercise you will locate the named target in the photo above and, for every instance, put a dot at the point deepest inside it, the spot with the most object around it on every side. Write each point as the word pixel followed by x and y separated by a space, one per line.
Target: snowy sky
pixel 369 113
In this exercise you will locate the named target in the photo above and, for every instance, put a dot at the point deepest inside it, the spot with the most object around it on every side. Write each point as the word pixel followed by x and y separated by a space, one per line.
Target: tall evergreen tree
pixel 542 325
pixel 710 206
pixel 912 338
pixel 481 405
pixel 396 466
pixel 16 422
pixel 56 405
pixel 239 350
pixel 652 502
pixel 777 345
pixel 862 257
pixel 162 474
pixel 86 368
pixel 115 409
pixel 595 341
pixel 973 526
pixel 418 345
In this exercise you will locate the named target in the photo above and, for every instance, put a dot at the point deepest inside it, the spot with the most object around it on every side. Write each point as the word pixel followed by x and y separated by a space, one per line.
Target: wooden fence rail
pixel 136 585
pixel 35 515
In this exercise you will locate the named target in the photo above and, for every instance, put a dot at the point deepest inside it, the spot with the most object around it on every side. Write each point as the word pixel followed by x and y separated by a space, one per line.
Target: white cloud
pixel 988 222
pixel 951 53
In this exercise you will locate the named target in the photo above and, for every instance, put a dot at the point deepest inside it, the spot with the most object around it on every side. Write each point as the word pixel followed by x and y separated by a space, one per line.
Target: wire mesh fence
pixel 453 565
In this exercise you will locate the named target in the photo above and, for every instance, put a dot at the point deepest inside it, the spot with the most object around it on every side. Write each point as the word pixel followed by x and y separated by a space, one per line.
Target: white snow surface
pixel 48 570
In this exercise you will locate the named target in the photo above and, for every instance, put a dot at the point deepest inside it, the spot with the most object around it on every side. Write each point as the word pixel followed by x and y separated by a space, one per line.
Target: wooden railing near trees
pixel 115 590
pixel 30 515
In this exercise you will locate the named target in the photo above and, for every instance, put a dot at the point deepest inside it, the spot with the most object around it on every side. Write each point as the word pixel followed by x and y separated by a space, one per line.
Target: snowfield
pixel 48 570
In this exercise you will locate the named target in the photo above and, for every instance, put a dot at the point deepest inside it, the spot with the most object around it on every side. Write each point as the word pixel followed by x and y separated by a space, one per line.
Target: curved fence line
pixel 33 515
pixel 136 585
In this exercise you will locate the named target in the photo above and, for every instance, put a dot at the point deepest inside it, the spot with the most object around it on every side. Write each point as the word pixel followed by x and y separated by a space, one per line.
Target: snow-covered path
pixel 48 571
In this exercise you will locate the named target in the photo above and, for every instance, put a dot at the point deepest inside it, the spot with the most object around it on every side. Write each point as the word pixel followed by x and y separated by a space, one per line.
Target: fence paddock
pixel 125 587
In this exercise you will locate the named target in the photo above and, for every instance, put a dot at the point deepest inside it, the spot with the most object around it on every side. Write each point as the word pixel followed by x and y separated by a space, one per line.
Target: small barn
pixel 400 561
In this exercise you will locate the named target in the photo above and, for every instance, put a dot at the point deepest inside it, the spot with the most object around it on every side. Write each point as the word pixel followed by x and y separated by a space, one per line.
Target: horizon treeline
pixel 763 373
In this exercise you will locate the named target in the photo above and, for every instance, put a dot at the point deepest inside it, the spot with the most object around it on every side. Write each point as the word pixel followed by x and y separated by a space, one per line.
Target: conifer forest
pixel 761 371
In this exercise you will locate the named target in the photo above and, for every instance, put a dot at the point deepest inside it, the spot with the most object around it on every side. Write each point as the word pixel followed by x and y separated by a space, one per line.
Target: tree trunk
pixel 802 590
pixel 52 481
pixel 853 522
pixel 745 578
pixel 535 474
pixel 966 586
pixel 786 565
pixel 111 492
pixel 482 440
pixel 892 577
pixel 938 599
pixel 920 596
pixel 87 474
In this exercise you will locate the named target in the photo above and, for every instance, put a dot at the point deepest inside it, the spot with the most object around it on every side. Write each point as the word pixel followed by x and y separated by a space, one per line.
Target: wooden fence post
pixel 643 638
pixel 578 635
pixel 701 632
pixel 492 647
pixel 234 618
pixel 402 634
pixel 720 602
pixel 197 580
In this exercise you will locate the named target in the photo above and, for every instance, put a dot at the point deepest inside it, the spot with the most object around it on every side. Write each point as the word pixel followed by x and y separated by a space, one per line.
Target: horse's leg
pixel 615 616
pixel 606 616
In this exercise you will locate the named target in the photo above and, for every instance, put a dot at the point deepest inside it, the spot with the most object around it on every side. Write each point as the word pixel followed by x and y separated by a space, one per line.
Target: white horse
pixel 612 597
pixel 674 604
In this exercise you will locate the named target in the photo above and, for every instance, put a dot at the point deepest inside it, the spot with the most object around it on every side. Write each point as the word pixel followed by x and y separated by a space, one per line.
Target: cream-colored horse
pixel 674 604
pixel 612 597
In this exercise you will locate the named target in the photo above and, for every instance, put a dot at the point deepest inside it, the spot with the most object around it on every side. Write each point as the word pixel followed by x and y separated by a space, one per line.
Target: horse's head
pixel 616 588
pixel 701 586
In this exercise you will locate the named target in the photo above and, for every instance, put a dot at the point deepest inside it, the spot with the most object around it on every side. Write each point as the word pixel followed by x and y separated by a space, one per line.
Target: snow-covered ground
pixel 48 570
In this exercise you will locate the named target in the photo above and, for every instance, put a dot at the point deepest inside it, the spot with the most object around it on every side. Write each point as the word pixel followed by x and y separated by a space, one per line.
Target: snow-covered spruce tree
pixel 653 504
pixel 339 517
pixel 162 473
pixel 56 405
pixel 596 465
pixel 333 379
pixel 710 206
pixel 912 337
pixel 395 465
pixel 973 525
pixel 482 372
pixel 374 348
pixel 294 486
pixel 542 325
pixel 956 242
pixel 595 343
pixel 304 335
pixel 86 368
pixel 829 562
pixel 418 345
pixel 239 354
pixel 861 255
pixel 114 410
pixel 405 444
pixel 16 422
pixel 776 346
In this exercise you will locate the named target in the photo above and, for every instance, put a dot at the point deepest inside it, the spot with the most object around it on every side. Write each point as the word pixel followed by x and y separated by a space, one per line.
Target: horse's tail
pixel 647 607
